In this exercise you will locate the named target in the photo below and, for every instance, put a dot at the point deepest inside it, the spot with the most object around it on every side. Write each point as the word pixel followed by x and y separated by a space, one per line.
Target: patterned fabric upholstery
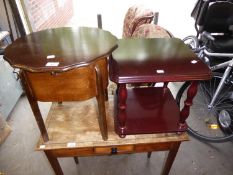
pixel 137 25
pixel 151 31
pixel 136 16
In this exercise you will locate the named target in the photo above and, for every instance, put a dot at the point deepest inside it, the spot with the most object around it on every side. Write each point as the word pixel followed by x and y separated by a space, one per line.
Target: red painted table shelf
pixel 153 109
pixel 147 111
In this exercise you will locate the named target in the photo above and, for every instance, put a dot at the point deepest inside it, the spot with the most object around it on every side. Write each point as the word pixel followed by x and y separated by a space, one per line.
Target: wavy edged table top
pixel 60 49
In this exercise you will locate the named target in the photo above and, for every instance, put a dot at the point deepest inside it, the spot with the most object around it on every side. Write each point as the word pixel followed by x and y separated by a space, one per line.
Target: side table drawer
pixel 114 150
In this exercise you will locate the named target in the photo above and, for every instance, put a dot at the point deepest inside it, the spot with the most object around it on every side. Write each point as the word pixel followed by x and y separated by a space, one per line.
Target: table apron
pixel 113 150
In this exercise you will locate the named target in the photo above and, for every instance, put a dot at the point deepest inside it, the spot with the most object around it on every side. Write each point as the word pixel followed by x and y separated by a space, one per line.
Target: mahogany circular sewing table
pixel 63 64
pixel 60 49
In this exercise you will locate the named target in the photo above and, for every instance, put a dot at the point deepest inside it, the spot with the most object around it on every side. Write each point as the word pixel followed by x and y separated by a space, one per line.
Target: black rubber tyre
pixel 201 118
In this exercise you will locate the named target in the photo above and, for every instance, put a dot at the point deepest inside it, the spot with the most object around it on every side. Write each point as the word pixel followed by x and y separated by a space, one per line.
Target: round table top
pixel 60 49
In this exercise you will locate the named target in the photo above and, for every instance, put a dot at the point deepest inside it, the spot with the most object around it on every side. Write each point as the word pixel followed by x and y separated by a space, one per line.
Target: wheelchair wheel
pixel 192 42
pixel 225 117
pixel 210 124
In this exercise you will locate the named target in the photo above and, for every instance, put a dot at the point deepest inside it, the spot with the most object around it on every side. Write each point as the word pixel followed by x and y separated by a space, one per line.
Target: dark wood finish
pixel 153 109
pixel 170 158
pixel 121 106
pixel 81 83
pixel 65 127
pixel 147 112
pixel 76 160
pixel 165 88
pixel 81 72
pixel 34 105
pixel 106 94
pixel 137 61
pixel 192 90
pixel 72 47
pixel 54 162
pixel 149 155
pixel 72 85
pixel 101 96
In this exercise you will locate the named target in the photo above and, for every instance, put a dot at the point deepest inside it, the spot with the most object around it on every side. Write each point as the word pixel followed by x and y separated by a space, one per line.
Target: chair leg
pixel 76 160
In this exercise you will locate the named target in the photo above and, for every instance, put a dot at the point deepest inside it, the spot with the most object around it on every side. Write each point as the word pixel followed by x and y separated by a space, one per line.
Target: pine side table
pixel 74 136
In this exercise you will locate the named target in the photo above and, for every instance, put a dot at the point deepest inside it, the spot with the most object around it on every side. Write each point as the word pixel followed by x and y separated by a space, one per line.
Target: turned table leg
pixel 53 162
pixel 121 107
pixel 170 157
pixel 192 90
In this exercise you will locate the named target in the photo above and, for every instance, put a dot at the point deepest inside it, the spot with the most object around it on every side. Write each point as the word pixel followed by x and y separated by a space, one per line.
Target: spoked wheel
pixel 191 42
pixel 212 124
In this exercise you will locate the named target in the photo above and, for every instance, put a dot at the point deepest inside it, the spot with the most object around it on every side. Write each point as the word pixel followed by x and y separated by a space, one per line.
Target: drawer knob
pixel 113 150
